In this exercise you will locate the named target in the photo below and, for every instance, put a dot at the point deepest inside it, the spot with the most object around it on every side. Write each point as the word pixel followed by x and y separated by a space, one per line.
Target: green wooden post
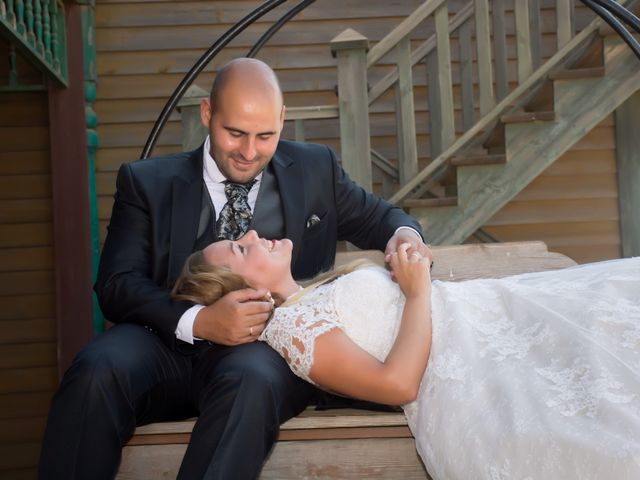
pixel 627 117
pixel 47 32
pixel 38 26
pixel 193 131
pixel 29 14
pixel 350 50
pixel 11 15
pixel 53 9
pixel 20 26
pixel 90 80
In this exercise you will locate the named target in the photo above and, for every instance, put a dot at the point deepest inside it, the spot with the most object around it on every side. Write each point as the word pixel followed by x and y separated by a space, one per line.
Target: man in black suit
pixel 166 359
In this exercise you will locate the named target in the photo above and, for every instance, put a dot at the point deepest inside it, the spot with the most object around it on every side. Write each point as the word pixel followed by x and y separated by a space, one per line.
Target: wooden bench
pixel 344 443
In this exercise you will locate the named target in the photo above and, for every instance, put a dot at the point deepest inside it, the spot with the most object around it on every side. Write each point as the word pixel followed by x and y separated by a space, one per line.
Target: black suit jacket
pixel 155 219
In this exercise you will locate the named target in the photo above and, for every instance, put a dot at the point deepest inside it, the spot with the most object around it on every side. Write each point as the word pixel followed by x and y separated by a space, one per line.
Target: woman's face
pixel 261 262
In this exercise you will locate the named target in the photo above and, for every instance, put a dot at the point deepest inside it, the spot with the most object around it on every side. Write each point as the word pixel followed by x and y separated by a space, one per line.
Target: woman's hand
pixel 411 271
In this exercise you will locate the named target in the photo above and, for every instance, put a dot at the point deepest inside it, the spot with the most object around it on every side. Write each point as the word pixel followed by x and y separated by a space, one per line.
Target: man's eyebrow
pixel 237 130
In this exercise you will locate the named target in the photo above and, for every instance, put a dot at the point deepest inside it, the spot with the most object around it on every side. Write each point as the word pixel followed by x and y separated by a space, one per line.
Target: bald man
pixel 169 360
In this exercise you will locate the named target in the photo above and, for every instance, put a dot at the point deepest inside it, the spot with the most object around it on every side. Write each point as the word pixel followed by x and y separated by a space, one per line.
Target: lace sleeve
pixel 293 329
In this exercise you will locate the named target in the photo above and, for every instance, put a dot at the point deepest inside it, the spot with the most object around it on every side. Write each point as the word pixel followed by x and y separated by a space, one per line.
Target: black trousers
pixel 127 377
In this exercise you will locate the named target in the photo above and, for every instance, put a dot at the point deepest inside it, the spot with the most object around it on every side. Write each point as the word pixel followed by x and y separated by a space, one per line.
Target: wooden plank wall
pixel 28 357
pixel 145 47
pixel 573 205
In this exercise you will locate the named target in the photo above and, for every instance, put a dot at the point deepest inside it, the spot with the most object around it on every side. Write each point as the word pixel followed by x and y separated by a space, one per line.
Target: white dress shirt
pixel 214 180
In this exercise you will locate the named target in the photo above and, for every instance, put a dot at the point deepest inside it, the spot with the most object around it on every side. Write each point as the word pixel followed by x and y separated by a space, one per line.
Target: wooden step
pixel 491 159
pixel 524 117
pixel 573 73
pixel 430 202
pixel 334 441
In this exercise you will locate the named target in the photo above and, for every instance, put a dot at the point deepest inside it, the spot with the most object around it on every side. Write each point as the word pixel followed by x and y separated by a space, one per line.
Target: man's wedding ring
pixel 251 331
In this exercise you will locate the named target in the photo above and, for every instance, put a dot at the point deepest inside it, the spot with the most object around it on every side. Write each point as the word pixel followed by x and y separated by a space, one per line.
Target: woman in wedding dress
pixel 530 376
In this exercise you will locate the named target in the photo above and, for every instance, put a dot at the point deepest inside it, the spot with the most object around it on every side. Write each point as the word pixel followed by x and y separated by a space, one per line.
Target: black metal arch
pixel 609 10
pixel 612 12
pixel 218 45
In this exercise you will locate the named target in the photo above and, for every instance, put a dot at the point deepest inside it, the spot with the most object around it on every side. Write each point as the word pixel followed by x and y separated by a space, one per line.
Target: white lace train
pixel 531 376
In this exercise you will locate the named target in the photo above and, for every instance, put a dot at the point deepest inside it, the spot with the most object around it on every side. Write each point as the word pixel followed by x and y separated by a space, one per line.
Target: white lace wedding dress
pixel 531 376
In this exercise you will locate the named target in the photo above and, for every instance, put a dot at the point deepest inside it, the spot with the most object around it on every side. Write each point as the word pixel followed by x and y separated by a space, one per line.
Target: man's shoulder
pixel 169 162
pixel 163 169
pixel 295 149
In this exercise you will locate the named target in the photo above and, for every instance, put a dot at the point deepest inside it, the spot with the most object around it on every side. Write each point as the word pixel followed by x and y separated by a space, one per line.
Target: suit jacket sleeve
pixel 364 219
pixel 128 288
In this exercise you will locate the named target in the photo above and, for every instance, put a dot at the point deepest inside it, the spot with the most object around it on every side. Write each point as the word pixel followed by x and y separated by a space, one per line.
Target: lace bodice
pixel 531 376
pixel 366 304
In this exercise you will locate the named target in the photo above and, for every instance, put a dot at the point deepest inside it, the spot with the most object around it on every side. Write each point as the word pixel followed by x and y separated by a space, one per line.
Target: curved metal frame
pixel 202 62
pixel 206 58
pixel 611 12
pixel 277 26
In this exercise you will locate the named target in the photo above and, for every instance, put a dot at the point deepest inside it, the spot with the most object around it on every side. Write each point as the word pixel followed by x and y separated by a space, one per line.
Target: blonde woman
pixel 531 376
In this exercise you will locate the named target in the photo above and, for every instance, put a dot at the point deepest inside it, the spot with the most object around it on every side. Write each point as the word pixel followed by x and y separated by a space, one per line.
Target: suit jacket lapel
pixel 288 173
pixel 186 198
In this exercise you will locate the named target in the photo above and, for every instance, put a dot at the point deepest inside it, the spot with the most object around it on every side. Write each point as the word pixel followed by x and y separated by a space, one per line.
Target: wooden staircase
pixel 531 142
pixel 485 150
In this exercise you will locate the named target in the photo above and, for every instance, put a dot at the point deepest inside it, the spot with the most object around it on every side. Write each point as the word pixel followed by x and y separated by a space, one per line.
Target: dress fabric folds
pixel 530 376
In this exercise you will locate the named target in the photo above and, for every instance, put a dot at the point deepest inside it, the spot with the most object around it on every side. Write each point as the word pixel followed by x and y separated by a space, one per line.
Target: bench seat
pixel 344 443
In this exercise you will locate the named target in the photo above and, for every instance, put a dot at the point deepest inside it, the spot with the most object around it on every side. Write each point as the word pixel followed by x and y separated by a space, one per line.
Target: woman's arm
pixel 341 366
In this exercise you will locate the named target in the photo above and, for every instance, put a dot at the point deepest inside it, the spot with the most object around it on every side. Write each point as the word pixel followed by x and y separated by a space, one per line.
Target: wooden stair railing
pixel 36 30
pixel 533 141
pixel 454 139
pixel 436 51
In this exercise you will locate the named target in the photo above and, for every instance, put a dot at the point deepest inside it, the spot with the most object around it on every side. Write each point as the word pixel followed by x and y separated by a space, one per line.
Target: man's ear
pixel 282 115
pixel 205 112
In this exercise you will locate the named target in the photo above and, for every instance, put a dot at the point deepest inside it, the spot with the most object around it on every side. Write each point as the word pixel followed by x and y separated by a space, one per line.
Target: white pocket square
pixel 313 220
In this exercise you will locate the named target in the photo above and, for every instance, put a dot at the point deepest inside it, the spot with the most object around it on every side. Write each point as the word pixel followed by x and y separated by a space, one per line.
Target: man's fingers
pixel 248 294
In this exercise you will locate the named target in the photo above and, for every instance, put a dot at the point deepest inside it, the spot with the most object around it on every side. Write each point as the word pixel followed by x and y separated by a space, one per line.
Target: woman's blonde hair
pixel 200 282
pixel 203 283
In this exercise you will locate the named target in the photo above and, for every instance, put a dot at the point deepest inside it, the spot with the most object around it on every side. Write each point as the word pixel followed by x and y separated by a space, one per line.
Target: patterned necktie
pixel 236 215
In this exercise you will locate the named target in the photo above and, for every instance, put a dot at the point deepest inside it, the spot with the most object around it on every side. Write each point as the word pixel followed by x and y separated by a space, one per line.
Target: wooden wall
pixel 572 205
pixel 28 360
pixel 145 47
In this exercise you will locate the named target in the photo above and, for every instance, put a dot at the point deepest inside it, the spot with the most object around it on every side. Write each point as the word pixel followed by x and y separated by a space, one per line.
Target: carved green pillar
pixel 90 80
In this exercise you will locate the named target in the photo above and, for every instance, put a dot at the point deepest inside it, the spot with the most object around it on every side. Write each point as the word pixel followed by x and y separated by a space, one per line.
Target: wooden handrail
pixel 405 28
pixel 419 53
pixel 507 105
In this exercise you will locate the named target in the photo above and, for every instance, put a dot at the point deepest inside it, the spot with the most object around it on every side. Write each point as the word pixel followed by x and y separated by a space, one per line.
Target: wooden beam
pixel 483 44
pixel 405 114
pixel 523 40
pixel 445 82
pixel 405 28
pixel 627 117
pixel 71 214
pixel 350 50
pixel 564 23
pixel 466 76
pixel 500 47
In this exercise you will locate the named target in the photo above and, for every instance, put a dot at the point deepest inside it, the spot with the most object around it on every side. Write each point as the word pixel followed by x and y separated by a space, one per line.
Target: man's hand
pixel 238 317
pixel 415 242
